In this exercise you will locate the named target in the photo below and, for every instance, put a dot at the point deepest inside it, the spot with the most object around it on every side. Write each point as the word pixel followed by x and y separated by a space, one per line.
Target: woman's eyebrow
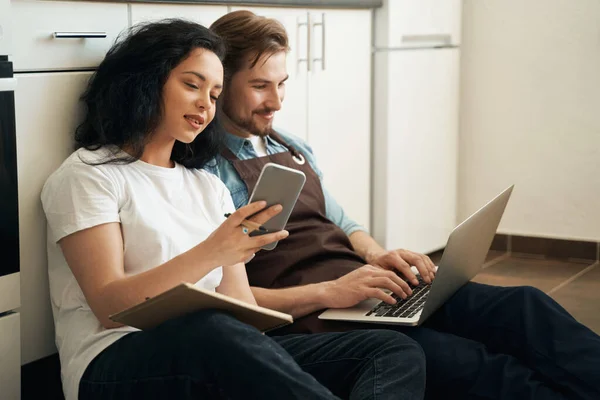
pixel 202 78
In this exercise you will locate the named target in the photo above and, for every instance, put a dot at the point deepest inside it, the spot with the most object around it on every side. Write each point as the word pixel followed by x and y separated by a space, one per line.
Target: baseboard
pixel 539 247
pixel 547 247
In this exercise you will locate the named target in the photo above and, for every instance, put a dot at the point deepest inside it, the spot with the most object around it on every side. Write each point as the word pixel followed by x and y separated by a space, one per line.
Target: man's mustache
pixel 264 111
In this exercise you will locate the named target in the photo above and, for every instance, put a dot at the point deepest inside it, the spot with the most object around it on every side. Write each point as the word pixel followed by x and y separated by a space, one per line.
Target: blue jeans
pixel 493 342
pixel 490 342
pixel 209 354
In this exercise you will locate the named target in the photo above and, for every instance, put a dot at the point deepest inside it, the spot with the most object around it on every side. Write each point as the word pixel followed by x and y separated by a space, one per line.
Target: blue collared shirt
pixel 243 149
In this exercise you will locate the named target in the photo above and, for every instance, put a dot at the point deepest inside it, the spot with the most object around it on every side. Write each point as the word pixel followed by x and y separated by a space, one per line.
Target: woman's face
pixel 190 95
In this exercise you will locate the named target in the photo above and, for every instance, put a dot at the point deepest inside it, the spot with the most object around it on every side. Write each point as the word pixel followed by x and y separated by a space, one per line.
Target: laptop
pixel 463 258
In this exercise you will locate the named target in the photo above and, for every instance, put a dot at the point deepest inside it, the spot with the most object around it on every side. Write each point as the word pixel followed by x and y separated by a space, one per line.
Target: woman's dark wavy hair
pixel 124 97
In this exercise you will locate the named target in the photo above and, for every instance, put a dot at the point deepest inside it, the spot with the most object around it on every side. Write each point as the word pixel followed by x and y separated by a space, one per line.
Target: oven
pixel 10 285
pixel 9 212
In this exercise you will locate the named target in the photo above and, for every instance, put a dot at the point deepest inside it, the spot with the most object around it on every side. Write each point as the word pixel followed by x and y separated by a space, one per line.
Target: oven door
pixel 9 203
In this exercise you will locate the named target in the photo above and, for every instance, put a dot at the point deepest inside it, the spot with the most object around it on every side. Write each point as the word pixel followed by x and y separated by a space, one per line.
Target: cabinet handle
pixel 79 35
pixel 307 24
pixel 322 25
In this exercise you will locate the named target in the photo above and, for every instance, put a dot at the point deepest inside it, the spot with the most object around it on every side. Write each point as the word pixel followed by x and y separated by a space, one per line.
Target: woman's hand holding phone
pixel 230 243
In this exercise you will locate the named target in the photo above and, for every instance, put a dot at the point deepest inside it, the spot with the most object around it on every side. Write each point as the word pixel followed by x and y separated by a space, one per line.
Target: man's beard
pixel 248 124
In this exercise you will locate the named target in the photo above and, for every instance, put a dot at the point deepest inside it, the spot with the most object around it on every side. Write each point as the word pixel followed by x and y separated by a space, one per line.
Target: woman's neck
pixel 159 153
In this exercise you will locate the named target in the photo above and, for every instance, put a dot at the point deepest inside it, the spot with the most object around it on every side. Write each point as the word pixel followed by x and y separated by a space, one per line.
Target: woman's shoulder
pixel 81 166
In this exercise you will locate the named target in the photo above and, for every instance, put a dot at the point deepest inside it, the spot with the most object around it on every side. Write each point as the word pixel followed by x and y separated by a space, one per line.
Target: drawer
pixel 36 24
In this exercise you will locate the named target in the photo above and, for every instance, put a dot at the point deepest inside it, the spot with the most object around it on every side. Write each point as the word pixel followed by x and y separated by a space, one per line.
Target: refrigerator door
pixel 418 24
pixel 415 148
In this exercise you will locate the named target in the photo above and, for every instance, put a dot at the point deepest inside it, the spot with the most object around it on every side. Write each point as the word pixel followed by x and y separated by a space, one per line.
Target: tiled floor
pixel 575 284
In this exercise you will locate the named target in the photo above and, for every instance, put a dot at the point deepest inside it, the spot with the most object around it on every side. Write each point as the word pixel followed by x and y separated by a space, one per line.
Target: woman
pixel 130 218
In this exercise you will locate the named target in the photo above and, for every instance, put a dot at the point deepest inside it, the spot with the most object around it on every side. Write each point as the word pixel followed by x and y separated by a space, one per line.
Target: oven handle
pixel 8 84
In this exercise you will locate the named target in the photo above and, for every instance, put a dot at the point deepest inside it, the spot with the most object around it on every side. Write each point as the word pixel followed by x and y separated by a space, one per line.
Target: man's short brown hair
pixel 248 36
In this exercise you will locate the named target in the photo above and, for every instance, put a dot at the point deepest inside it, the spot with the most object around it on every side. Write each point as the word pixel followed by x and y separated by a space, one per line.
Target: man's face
pixel 254 95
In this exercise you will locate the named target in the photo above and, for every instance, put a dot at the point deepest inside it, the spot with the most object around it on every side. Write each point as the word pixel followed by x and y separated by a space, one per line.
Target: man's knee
pixel 523 295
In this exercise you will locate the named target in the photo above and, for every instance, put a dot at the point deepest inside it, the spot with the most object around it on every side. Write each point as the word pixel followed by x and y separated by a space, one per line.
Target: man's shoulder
pixel 293 140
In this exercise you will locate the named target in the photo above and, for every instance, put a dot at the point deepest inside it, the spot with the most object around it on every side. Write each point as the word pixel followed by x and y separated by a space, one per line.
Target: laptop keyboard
pixel 404 308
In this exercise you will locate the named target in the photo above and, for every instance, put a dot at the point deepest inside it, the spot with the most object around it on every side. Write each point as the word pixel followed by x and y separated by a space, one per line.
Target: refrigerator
pixel 10 300
pixel 416 56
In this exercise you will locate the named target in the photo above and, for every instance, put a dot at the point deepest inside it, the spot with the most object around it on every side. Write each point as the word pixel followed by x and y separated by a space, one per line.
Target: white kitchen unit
pixel 416 61
pixel 328 97
pixel 202 14
pixel 5 28
pixel 43 143
pixel 50 37
pixel 53 35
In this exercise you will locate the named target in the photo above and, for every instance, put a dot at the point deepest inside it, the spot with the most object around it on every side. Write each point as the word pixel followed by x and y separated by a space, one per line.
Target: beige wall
pixel 530 114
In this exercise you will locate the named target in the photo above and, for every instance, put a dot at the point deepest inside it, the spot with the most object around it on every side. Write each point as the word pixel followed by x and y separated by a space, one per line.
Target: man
pixel 485 342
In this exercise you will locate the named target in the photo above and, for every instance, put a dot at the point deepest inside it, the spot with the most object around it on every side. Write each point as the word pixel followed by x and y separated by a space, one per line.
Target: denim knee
pixel 523 295
pixel 210 329
pixel 403 348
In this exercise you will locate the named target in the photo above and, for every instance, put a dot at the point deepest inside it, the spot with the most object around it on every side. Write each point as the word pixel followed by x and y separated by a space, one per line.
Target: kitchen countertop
pixel 278 3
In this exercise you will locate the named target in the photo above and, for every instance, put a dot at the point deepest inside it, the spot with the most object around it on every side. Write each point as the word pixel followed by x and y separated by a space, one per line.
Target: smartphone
pixel 277 185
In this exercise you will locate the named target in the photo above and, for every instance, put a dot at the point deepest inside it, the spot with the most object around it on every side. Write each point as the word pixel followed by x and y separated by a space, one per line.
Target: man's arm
pixel 400 260
pixel 365 246
pixel 361 284
pixel 297 301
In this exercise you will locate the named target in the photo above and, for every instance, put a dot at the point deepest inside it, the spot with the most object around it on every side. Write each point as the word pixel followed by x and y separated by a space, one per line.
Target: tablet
pixel 277 185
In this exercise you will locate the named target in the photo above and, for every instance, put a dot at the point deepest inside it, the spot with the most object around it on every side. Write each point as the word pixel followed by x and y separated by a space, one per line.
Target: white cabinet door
pixel 416 142
pixel 10 357
pixel 293 115
pixel 339 106
pixel 47 112
pixel 418 23
pixel 204 15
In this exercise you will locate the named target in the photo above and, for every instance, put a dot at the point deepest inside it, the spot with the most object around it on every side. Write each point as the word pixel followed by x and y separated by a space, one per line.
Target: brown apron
pixel 316 250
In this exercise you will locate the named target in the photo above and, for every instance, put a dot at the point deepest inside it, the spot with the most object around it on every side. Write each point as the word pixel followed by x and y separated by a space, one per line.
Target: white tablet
pixel 277 185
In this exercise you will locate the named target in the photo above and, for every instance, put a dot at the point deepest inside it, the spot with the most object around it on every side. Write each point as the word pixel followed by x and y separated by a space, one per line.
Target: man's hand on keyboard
pixel 364 283
pixel 401 261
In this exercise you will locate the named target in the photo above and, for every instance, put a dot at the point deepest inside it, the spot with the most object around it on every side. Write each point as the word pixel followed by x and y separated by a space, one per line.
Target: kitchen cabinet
pixel 416 140
pixel 202 14
pixel 47 112
pixel 55 35
pixel 10 363
pixel 328 97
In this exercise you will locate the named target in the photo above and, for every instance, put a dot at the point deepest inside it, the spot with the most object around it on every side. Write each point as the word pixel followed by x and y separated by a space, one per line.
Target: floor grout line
pixel 496 260
pixel 571 279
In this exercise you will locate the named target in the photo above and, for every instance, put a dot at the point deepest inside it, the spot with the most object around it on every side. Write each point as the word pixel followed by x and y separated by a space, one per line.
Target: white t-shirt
pixel 260 145
pixel 163 212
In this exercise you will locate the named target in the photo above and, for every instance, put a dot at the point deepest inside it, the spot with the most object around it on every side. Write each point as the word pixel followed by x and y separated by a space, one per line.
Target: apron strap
pixel 275 136
pixel 225 152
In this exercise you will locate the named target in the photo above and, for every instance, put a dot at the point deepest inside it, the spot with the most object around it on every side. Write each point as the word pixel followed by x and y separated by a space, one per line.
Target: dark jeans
pixel 489 342
pixel 209 355
pixel 513 342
